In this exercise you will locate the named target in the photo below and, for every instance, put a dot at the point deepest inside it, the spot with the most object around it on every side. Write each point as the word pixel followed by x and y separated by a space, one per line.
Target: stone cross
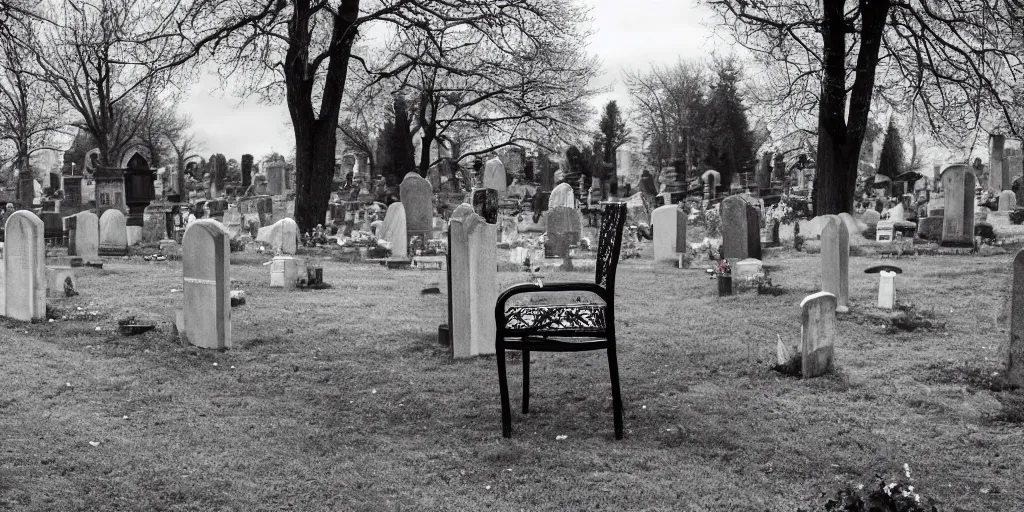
pixel 835 261
pixel 205 320
pixel 817 333
pixel 474 283
pixel 669 223
pixel 24 285
pixel 741 229
pixel 958 216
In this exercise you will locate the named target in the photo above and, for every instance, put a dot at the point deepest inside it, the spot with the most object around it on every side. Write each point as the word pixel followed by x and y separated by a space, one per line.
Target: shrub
pixel 1017 216
pixel 897 496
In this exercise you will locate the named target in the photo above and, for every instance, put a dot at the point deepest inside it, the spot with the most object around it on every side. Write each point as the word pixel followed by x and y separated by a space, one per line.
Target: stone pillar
pixel 999 172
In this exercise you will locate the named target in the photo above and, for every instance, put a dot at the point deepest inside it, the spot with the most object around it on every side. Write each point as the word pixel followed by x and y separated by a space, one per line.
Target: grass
pixel 341 399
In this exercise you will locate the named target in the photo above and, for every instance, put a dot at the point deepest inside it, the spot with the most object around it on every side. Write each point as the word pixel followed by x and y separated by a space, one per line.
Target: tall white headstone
pixel 394 230
pixel 205 320
pixel 474 284
pixel 24 283
pixel 669 223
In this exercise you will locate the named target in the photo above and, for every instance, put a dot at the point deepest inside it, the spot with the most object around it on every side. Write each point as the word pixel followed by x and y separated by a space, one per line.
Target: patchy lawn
pixel 342 399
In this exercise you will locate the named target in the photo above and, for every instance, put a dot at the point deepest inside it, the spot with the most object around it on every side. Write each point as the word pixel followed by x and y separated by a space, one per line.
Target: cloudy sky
pixel 630 34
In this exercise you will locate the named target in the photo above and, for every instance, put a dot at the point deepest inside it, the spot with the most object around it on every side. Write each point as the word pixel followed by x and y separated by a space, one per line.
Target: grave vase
pixel 724 285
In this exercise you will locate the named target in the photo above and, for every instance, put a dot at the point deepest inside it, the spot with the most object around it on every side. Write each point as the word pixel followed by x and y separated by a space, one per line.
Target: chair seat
pixel 582 318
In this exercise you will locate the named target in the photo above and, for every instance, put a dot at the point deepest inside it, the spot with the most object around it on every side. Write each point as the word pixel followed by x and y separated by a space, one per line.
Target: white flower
pixel 906 469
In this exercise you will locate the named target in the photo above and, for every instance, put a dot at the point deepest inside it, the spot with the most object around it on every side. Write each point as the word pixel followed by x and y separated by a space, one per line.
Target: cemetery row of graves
pixel 805 339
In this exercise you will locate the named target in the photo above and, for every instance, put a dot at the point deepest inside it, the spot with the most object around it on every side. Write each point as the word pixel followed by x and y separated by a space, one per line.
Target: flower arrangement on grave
pixel 711 221
pixel 722 268
pixel 897 496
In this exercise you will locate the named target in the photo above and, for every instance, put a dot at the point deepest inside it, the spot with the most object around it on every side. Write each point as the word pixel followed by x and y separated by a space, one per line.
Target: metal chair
pixel 564 327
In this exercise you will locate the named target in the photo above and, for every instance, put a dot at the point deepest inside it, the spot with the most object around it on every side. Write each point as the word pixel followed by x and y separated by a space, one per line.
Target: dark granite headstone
pixel 564 227
pixel 741 230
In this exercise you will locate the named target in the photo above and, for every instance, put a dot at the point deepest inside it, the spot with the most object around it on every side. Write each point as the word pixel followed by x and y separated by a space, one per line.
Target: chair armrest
pixel 519 289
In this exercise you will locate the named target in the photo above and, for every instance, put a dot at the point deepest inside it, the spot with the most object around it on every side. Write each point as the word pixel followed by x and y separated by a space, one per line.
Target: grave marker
pixel 562 195
pixel 669 223
pixel 474 288
pixel 741 229
pixel 417 198
pixel 1007 201
pixel 958 183
pixel 564 226
pixel 85 237
pixel 494 176
pixel 835 261
pixel 1015 359
pixel 205 320
pixel 113 234
pixel 24 285
pixel 394 230
pixel 817 333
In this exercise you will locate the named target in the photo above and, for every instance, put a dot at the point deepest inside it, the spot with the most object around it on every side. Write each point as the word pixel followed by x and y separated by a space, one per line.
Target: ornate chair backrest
pixel 609 242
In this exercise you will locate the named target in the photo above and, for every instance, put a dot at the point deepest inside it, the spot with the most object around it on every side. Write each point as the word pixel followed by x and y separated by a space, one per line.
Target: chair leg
pixel 506 412
pixel 526 381
pixel 613 367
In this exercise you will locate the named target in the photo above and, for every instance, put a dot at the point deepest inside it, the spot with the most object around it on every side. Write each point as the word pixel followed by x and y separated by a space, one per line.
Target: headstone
pixel 958 222
pixel 394 230
pixel 817 333
pixel 870 218
pixel 417 198
pixel 233 221
pixel 835 262
pixel 113 234
pixel 1015 360
pixel 564 226
pixel 669 223
pixel 53 225
pixel 886 289
pixel 154 222
pixel 205 320
pixel 930 228
pixel 748 268
pixel 282 236
pixel 897 213
pixel 494 176
pixel 284 272
pixel 854 228
pixel 562 195
pixel 85 237
pixel 133 234
pixel 474 284
pixel 741 229
pixel 884 231
pixel 1007 201
pixel 24 284
pixel 110 190
pixel 485 203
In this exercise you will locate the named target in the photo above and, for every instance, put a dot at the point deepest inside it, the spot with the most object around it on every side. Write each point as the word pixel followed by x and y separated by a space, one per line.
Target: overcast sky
pixel 629 34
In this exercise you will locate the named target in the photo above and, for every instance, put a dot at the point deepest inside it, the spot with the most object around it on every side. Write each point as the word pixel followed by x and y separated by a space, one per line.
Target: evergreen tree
pixel 729 147
pixel 614 133
pixel 890 160
pixel 402 160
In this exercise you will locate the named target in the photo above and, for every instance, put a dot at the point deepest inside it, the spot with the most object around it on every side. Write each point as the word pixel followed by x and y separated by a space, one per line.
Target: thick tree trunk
pixel 839 142
pixel 313 187
pixel 316 134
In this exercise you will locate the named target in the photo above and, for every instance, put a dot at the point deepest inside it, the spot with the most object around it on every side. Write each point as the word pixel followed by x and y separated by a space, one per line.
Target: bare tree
pixel 183 143
pixel 30 113
pixel 513 91
pixel 958 63
pixel 302 50
pixel 108 59
pixel 668 104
